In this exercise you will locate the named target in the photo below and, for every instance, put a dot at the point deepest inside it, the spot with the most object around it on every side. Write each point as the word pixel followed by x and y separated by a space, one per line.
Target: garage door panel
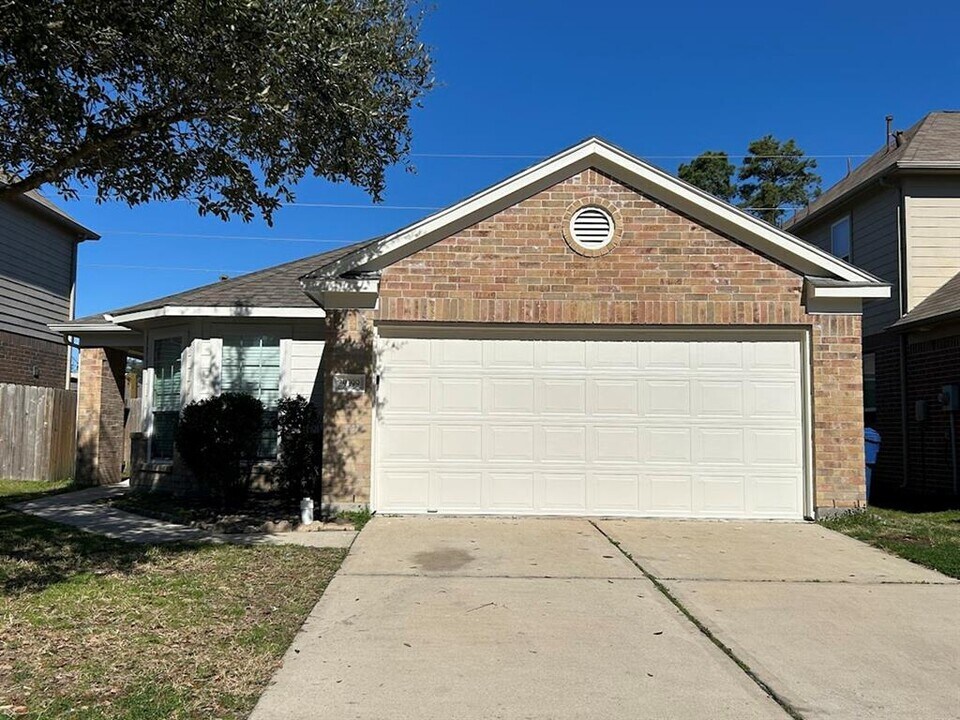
pixel 562 397
pixel 720 445
pixel 773 446
pixel 670 494
pixel 457 354
pixel 615 493
pixel 406 442
pixel 568 354
pixel 510 443
pixel 406 395
pixel 665 444
pixel 719 398
pixel 614 396
pixel 665 355
pixel 613 356
pixel 774 399
pixel 563 492
pixel 771 495
pixel 509 491
pixel 666 428
pixel 508 354
pixel 722 495
pixel 665 397
pixel 459 491
pixel 402 491
pixel 509 396
pixel 458 396
pixel 616 444
pixel 458 443
pixel 563 444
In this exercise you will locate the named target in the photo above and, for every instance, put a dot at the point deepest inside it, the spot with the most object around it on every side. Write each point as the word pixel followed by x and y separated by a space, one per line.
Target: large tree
pixel 225 102
pixel 711 171
pixel 775 174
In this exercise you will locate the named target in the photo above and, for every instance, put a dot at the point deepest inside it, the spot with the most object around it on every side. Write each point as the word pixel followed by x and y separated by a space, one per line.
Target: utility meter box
pixel 950 398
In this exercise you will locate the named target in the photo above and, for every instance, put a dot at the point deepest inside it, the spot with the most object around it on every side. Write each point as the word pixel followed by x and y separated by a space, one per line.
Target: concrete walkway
pixel 86 510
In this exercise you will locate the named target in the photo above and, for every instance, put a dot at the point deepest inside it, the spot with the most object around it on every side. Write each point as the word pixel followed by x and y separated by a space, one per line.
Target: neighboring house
pixel 38 261
pixel 898 216
pixel 590 336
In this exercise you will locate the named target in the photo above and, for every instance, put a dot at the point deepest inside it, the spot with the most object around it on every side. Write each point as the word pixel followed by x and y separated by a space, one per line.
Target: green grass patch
pixel 359 518
pixel 98 629
pixel 20 490
pixel 927 538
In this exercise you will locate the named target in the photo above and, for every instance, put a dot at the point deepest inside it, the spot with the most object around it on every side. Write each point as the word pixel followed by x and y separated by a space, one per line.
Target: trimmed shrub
pixel 297 472
pixel 218 440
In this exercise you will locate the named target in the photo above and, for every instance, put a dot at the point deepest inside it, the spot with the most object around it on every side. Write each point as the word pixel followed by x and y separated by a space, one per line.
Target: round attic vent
pixel 591 227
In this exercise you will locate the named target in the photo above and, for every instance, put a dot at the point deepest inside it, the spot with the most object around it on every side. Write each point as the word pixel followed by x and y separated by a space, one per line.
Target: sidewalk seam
pixel 704 630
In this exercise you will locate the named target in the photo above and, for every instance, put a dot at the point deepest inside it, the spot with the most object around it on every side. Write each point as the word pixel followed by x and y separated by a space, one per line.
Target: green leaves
pixel 773 176
pixel 228 103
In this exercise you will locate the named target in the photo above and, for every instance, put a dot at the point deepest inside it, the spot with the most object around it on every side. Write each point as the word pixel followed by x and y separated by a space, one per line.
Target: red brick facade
pixel 100 406
pixel 31 361
pixel 667 270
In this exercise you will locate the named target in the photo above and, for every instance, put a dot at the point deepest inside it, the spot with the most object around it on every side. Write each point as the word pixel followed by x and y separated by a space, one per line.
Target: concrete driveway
pixel 836 628
pixel 435 617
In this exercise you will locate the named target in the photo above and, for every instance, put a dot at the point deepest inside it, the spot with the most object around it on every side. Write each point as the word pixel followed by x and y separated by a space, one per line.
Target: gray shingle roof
pixel 933 142
pixel 939 305
pixel 277 286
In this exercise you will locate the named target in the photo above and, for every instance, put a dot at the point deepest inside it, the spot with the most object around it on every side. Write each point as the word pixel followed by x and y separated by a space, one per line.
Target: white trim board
pixel 226 311
pixel 804 258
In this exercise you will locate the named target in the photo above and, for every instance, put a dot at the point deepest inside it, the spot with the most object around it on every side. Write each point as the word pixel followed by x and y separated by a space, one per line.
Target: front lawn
pixel 927 538
pixel 94 628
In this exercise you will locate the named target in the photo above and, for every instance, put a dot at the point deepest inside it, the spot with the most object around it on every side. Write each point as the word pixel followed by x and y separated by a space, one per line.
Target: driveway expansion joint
pixel 725 649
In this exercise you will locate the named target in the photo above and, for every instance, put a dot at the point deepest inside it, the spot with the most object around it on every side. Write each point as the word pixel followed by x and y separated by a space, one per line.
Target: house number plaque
pixel 346 384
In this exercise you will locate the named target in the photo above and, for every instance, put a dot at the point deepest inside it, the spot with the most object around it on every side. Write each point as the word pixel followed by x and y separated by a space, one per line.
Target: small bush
pixel 297 472
pixel 218 439
pixel 359 518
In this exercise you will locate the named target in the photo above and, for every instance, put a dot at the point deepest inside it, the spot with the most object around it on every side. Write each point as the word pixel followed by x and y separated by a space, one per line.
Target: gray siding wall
pixel 874 247
pixel 36 273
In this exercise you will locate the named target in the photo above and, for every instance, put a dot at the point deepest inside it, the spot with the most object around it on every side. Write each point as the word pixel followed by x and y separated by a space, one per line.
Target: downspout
pixel 904 281
pixel 73 306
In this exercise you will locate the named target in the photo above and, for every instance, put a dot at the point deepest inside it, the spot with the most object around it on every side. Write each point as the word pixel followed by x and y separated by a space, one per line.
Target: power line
pixel 210 236
pixel 164 267
pixel 496 156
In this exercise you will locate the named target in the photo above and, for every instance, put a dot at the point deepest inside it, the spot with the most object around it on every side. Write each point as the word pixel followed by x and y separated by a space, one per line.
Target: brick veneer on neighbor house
pixel 32 361
pixel 100 406
pixel 667 270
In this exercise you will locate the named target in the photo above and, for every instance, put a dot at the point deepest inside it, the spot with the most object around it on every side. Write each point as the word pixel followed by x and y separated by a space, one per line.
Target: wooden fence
pixel 38 432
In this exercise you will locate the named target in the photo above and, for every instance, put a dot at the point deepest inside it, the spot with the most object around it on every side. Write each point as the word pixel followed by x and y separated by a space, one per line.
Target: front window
pixel 251 365
pixel 166 395
pixel 869 382
pixel 840 238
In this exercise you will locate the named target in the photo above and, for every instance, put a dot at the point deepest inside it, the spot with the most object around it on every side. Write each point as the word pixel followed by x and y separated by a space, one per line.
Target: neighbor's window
pixel 840 238
pixel 869 382
pixel 251 365
pixel 166 395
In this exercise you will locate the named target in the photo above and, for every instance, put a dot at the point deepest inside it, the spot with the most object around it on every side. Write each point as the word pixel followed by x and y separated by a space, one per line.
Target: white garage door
pixel 666 427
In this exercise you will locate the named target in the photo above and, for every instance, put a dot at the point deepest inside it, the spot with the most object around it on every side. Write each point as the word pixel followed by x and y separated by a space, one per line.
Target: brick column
pixel 100 415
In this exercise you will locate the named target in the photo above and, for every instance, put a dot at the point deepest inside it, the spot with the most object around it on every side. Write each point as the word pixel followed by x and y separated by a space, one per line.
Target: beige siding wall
pixel 933 235
pixel 874 247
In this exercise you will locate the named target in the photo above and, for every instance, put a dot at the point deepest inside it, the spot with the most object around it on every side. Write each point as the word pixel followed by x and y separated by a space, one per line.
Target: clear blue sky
pixel 530 77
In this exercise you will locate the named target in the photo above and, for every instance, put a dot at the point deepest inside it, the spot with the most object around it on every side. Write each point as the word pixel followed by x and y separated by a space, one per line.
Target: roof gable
pixel 623 167
pixel 932 143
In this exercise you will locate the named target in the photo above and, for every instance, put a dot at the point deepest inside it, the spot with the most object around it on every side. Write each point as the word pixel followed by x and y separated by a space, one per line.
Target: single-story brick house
pixel 591 336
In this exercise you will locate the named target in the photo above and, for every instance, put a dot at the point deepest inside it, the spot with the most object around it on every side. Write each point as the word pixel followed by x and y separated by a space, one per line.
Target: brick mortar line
pixel 665 591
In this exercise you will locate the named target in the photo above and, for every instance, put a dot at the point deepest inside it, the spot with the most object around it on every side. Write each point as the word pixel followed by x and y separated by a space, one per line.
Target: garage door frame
pixel 384 332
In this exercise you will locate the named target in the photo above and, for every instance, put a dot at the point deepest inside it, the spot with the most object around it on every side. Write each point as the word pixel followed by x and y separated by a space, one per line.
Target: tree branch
pixel 94 144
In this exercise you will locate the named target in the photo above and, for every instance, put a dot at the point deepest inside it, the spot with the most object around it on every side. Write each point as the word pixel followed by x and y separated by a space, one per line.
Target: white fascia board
pixel 796 253
pixel 76 328
pixel 866 292
pixel 219 312
pixel 343 293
